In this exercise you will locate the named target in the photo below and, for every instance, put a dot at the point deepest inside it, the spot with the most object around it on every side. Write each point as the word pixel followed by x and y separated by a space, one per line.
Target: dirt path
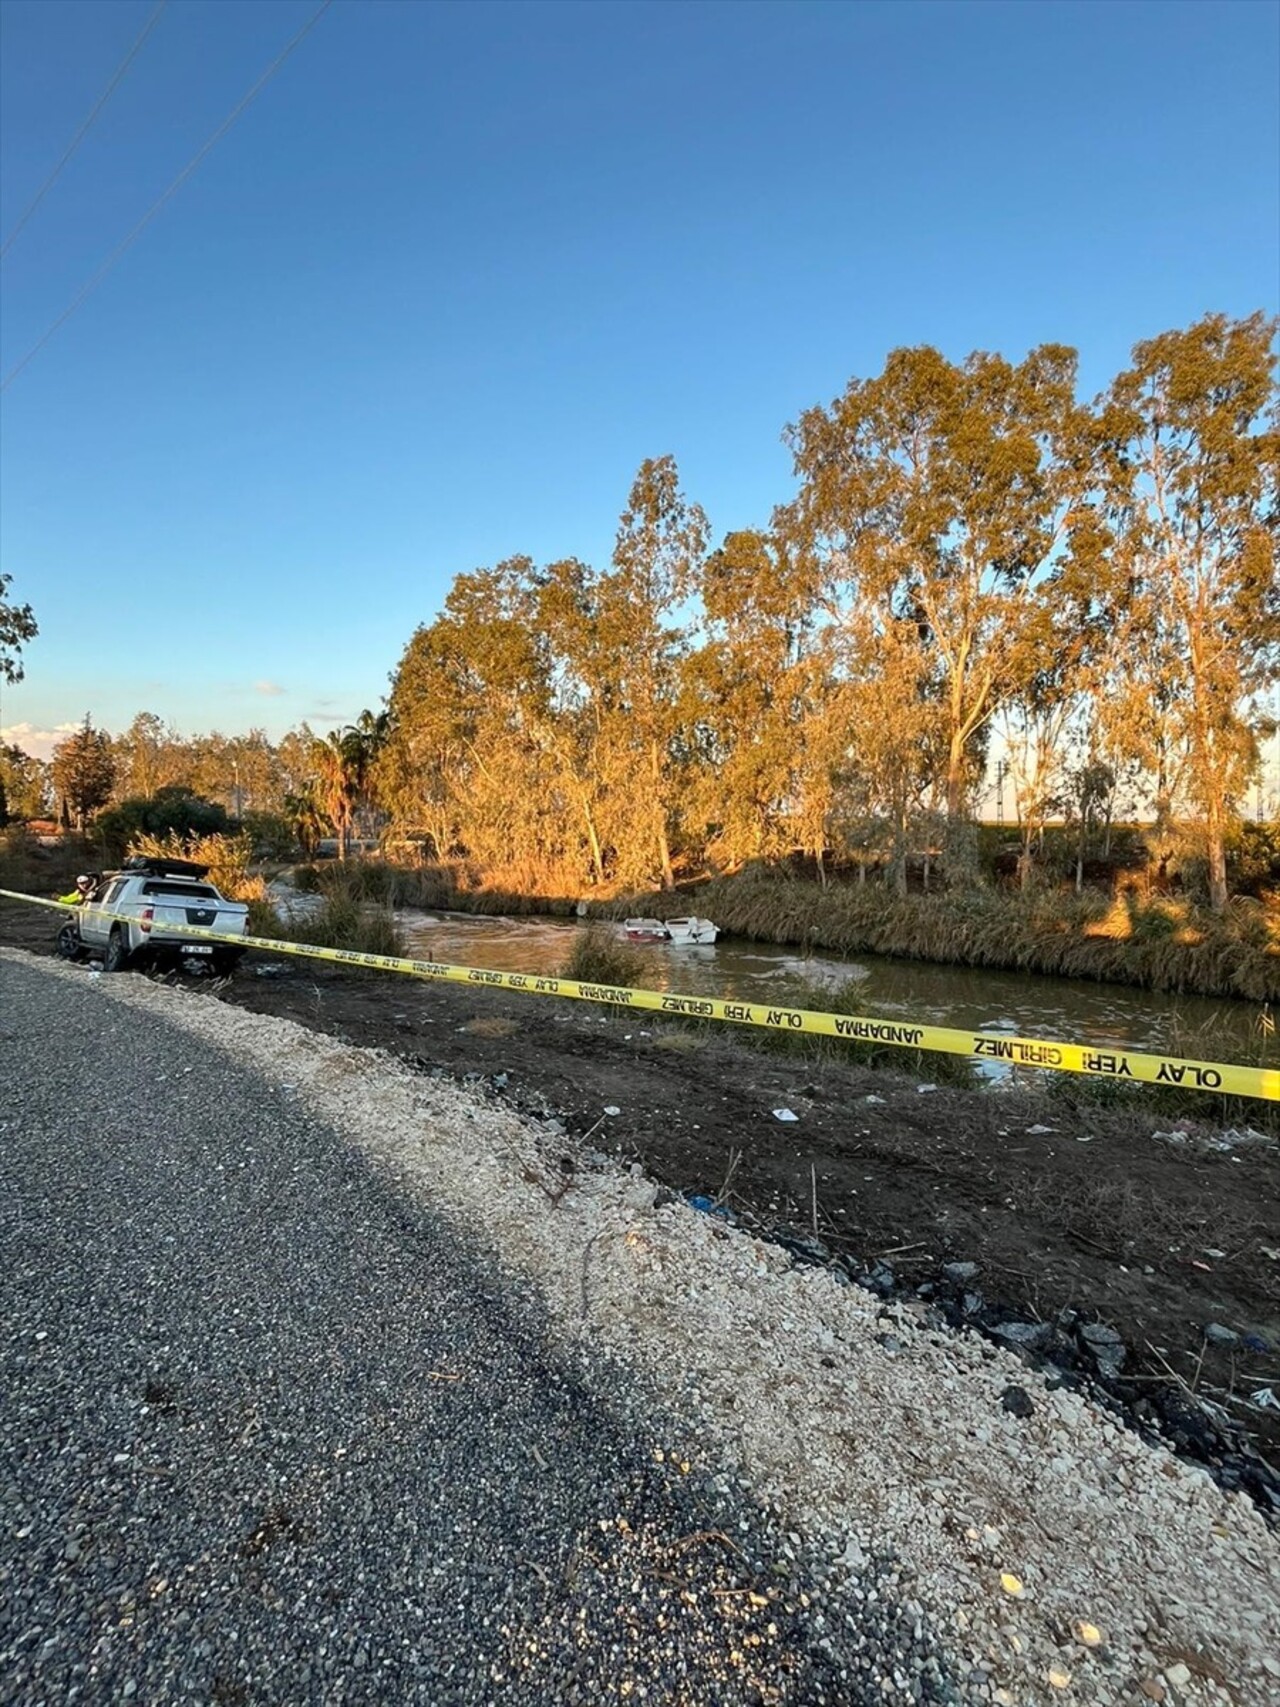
pixel 1061 1210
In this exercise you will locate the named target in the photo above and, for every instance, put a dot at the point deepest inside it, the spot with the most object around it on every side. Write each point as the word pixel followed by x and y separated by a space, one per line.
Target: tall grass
pixel 227 857
pixel 29 866
pixel 1155 944
pixel 345 916
pixel 600 956
pixel 1161 945
pixel 451 888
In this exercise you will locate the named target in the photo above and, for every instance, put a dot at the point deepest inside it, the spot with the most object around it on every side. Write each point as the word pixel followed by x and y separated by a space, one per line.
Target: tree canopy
pixel 975 563
pixel 17 626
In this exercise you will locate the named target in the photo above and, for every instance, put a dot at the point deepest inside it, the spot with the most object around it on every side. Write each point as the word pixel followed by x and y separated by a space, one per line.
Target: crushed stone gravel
pixel 271 1432
pixel 1064 1559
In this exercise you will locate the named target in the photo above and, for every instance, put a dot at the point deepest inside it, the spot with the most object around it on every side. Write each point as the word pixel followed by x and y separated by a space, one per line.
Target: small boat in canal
pixel 677 932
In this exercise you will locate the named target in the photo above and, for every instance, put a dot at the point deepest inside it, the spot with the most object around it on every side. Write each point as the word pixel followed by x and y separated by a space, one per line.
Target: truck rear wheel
pixel 117 957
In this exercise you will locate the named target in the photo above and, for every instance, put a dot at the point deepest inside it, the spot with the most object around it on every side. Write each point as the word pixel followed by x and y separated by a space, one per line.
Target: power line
pixel 85 128
pixel 174 187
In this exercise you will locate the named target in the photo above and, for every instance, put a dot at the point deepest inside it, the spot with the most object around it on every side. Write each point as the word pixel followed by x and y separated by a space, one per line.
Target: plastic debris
pixel 708 1206
pixel 1265 1399
pixel 879 1102
pixel 925 1089
pixel 784 1114
pixel 1088 1633
pixel 612 1109
pixel 1039 1131
pixel 1058 1678
pixel 1012 1585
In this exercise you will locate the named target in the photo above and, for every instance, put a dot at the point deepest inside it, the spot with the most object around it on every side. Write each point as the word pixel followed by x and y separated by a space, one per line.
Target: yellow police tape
pixel 1096 1062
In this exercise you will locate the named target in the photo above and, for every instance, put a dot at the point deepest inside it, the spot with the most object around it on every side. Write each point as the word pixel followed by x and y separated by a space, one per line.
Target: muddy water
pixel 1102 1014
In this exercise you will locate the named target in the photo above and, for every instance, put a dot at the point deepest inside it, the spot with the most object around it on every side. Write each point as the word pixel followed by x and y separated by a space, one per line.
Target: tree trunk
pixel 898 853
pixel 1026 835
pixel 597 862
pixel 660 814
pixel 955 776
pixel 1217 856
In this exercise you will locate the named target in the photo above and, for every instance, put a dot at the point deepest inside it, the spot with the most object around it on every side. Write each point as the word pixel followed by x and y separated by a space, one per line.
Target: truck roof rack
pixel 155 865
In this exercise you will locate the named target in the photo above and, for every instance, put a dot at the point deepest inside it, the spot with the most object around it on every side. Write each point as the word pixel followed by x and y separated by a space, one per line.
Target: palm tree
pixel 336 782
pixel 363 741
pixel 306 816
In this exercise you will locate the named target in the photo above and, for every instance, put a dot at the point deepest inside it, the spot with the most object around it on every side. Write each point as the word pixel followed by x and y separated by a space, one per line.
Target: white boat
pixel 691 930
pixel 677 932
pixel 645 930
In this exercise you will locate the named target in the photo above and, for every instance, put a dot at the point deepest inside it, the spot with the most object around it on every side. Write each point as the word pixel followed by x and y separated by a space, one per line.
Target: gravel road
pixel 272 1432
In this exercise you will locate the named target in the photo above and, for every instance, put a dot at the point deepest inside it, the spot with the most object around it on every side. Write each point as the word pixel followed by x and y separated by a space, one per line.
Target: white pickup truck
pixel 130 919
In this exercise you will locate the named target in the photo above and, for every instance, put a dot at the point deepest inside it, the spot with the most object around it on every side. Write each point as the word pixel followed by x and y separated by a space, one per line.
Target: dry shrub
pixel 341 922
pixel 681 1042
pixel 600 956
pixel 227 857
pixel 492 1025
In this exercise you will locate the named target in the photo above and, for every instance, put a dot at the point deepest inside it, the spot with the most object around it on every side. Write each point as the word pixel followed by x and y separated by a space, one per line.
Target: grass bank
pixel 453 888
pixel 1160 944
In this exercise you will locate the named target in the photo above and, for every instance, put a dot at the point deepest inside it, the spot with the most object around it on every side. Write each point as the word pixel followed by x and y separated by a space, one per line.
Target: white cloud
pixel 38 743
pixel 268 689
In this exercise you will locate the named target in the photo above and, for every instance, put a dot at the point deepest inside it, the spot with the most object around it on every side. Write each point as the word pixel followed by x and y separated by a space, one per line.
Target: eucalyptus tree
pixel 744 695
pixel 956 497
pixel 1195 508
pixel 642 634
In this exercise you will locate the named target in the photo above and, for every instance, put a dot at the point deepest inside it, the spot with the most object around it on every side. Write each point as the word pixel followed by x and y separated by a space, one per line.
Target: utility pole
pixel 1002 770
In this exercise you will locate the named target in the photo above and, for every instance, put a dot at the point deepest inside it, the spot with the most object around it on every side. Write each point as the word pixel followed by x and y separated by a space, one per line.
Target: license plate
pixel 201 948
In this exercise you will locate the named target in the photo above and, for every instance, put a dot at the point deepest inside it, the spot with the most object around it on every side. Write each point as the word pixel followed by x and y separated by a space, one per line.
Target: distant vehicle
pixel 678 932
pixel 154 895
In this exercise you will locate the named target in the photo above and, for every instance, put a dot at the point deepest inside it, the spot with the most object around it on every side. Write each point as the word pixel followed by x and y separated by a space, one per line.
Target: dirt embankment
pixel 1061 1210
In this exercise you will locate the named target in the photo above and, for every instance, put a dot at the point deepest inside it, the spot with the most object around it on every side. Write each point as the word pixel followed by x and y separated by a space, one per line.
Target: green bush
pixel 168 813
pixel 271 835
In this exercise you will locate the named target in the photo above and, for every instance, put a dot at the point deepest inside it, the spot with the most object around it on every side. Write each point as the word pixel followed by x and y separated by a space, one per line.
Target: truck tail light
pixel 148 913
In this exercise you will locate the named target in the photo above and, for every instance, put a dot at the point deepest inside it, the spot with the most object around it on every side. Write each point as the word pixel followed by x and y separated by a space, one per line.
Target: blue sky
pixel 460 268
